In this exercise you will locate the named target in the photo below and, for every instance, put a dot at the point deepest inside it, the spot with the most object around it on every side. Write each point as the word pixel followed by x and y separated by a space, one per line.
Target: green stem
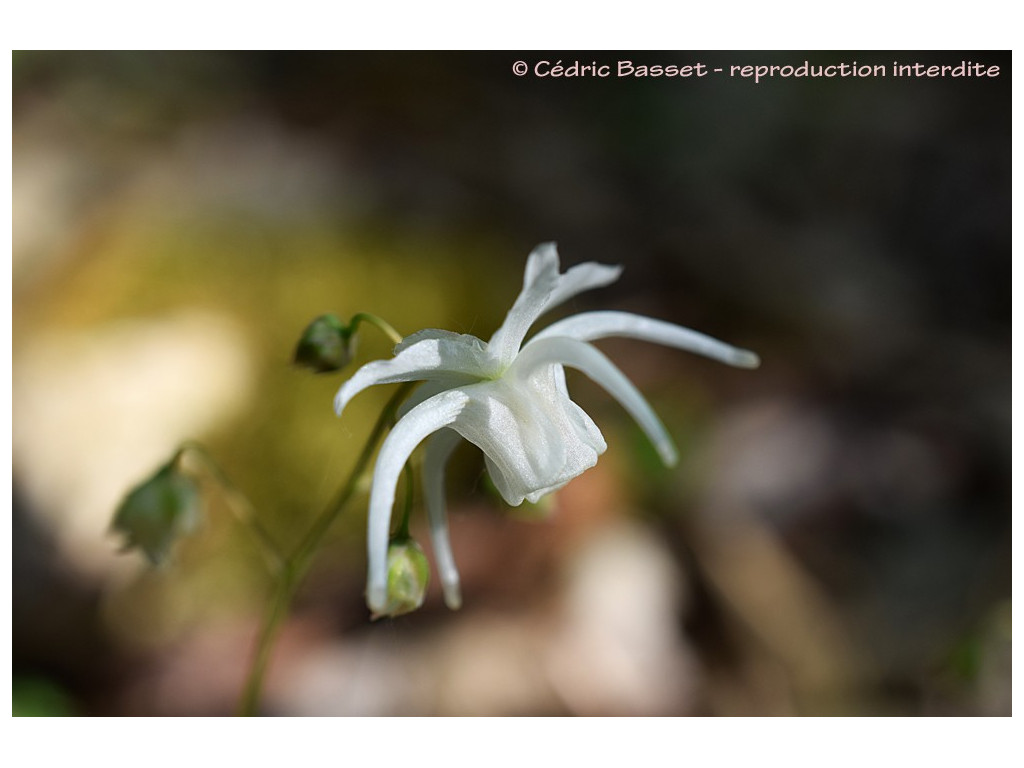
pixel 277 611
pixel 237 502
pixel 294 568
pixel 403 526
pixel 307 547
pixel 384 325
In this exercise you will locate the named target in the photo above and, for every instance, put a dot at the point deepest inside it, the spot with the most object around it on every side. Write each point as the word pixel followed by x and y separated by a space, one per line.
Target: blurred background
pixel 836 538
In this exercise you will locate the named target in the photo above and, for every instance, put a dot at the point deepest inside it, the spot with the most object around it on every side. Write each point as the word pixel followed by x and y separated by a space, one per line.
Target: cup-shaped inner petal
pixel 534 438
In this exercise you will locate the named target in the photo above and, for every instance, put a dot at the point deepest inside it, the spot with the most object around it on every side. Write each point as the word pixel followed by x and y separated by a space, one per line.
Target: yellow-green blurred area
pixel 835 539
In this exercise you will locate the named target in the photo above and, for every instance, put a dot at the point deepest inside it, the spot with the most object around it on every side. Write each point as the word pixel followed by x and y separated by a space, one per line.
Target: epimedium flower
pixel 510 399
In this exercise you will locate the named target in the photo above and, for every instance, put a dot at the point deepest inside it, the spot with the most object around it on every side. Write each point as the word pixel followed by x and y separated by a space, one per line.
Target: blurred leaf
pixel 36 697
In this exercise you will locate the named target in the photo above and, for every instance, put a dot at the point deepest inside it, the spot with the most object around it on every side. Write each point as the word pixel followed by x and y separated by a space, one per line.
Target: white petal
pixel 424 419
pixel 543 289
pixel 538 283
pixel 422 392
pixel 519 431
pixel 542 259
pixel 533 437
pixel 588 359
pixel 452 359
pixel 582 277
pixel 435 458
pixel 589 326
pixel 439 335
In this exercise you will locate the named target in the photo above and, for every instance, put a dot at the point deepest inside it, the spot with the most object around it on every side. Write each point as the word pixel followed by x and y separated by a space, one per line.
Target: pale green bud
pixel 327 345
pixel 408 576
pixel 155 514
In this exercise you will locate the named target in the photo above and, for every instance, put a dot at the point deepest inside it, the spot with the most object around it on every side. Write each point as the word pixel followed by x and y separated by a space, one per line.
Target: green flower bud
pixel 408 576
pixel 155 514
pixel 327 345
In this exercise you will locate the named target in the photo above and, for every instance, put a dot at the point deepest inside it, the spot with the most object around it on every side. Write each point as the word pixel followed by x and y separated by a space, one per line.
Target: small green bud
pixel 156 513
pixel 408 576
pixel 327 345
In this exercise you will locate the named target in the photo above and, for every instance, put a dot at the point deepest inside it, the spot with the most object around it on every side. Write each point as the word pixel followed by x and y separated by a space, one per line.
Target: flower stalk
pixel 237 502
pixel 293 568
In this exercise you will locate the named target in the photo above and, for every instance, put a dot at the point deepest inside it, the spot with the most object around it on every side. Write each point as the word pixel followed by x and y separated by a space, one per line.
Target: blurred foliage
pixel 39 698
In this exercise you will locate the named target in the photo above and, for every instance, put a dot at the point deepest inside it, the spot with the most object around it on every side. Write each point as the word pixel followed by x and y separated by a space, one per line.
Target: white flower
pixel 510 400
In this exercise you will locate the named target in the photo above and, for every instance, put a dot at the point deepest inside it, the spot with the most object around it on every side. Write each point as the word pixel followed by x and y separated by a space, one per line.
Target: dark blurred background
pixel 836 538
